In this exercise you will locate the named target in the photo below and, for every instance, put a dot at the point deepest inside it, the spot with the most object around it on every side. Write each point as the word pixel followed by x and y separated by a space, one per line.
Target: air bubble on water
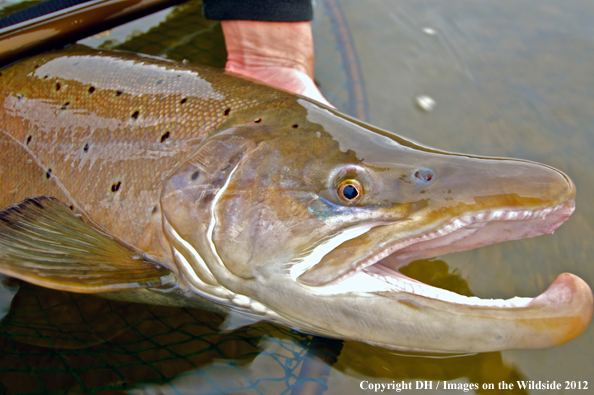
pixel 425 103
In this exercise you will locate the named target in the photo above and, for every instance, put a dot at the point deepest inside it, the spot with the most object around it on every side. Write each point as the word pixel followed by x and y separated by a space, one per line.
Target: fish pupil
pixel 350 192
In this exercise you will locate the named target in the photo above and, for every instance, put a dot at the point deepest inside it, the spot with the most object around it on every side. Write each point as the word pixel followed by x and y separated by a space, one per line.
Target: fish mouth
pixel 461 234
pixel 414 316
pixel 379 272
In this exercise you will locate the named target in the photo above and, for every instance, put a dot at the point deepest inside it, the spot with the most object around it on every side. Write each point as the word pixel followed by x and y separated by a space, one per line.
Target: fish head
pixel 305 217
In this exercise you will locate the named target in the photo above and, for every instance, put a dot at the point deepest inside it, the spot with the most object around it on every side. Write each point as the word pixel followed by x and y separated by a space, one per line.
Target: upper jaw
pixel 398 243
pixel 476 230
pixel 459 234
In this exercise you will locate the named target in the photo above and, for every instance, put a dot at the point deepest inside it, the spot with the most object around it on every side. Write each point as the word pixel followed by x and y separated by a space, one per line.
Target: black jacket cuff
pixel 259 10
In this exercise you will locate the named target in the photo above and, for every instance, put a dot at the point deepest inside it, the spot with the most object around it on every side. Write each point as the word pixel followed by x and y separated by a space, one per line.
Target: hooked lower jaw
pixel 457 323
pixel 379 274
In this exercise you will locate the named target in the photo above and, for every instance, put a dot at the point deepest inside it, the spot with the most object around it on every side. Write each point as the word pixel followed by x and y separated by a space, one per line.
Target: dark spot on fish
pixel 48 173
pixel 208 198
pixel 182 101
pixel 91 89
pixel 155 209
pixel 116 187
pixel 195 175
pixel 227 111
pixel 19 96
pixel 36 66
pixel 65 105
pixel 159 82
pixel 258 120
pixel 135 114
pixel 71 207
pixel 45 77
pixel 28 140
pixel 295 126
pixel 165 136
pixel 118 92
pixel 86 147
pixel 58 86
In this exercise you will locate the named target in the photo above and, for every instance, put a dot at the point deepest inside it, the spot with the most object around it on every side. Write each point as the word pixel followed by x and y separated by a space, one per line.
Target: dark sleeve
pixel 259 10
pixel 37 10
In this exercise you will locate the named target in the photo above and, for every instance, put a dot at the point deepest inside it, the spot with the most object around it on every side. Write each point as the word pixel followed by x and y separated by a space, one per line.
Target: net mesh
pixel 55 342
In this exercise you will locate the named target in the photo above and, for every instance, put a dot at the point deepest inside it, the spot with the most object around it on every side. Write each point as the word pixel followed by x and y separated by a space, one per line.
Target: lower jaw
pixel 402 283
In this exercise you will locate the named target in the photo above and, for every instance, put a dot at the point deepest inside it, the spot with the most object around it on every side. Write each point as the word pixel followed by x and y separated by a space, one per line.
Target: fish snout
pixel 481 184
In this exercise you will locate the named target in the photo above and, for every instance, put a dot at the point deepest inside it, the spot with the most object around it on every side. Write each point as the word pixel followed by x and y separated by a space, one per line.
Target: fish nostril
pixel 425 175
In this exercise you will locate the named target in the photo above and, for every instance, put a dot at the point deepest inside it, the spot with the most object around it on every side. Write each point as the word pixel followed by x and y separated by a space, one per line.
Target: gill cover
pixel 190 199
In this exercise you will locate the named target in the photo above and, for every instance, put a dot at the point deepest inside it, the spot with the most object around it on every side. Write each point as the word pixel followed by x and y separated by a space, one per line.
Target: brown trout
pixel 153 181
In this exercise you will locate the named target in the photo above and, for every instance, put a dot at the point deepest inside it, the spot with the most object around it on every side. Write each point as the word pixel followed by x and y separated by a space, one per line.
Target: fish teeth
pixel 488 216
pixel 469 222
pixel 500 215
pixel 401 283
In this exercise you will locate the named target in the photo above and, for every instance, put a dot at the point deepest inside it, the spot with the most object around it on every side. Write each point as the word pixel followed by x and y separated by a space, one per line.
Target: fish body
pixel 185 185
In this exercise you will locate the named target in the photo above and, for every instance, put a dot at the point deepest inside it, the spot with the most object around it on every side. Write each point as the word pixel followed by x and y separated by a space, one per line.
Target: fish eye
pixel 350 191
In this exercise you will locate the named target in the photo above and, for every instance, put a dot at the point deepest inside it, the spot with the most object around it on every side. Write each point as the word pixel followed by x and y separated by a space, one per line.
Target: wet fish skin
pixel 233 186
pixel 111 129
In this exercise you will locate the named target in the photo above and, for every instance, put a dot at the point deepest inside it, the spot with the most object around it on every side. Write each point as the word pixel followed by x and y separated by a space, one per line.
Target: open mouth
pixel 397 312
pixel 379 274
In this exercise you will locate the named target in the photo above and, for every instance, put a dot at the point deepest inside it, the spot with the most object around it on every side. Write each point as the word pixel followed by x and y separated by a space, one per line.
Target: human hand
pixel 280 54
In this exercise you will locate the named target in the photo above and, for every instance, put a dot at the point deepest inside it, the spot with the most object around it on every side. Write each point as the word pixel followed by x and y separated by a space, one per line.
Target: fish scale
pixel 130 128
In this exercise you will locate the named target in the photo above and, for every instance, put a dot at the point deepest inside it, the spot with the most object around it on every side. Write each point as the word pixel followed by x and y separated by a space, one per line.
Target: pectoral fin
pixel 43 242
